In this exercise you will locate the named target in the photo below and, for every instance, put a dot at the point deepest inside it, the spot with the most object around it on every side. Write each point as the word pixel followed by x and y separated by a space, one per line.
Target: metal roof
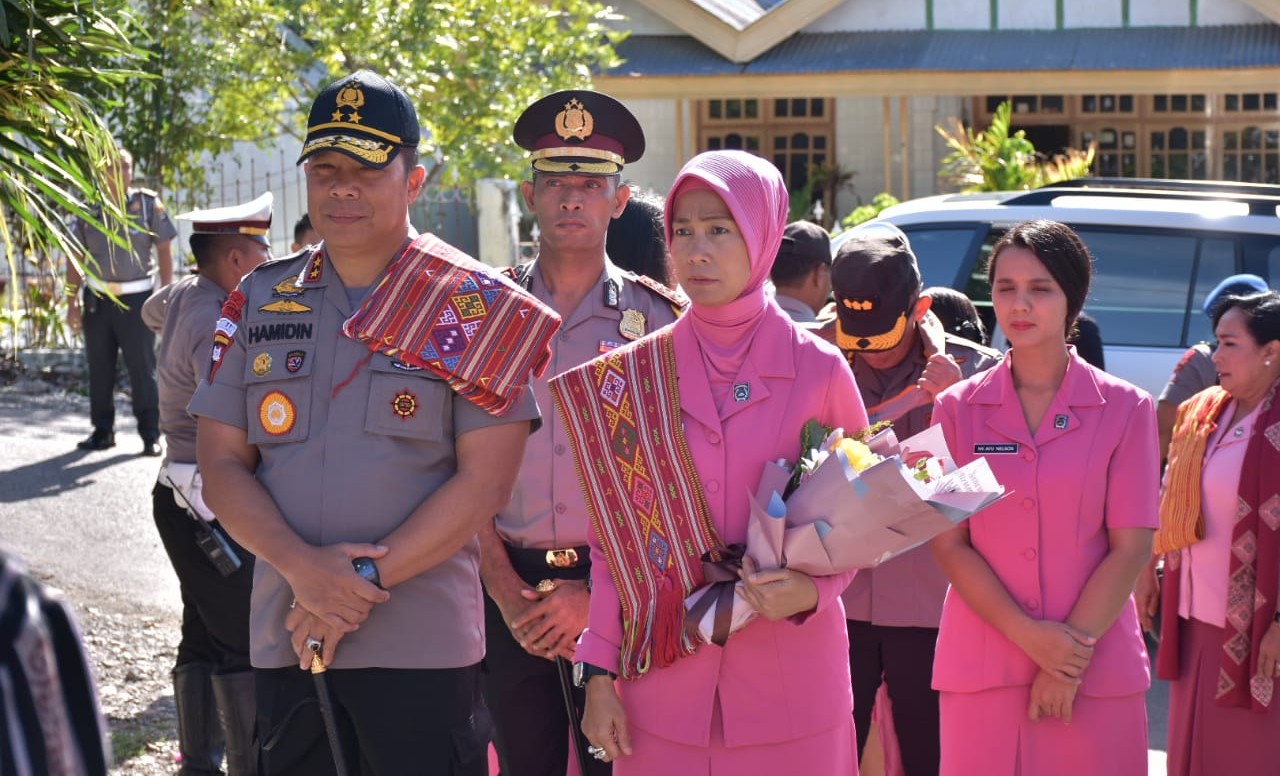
pixel 1132 48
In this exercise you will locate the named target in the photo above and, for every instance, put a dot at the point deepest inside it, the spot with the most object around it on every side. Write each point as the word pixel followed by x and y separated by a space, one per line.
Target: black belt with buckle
pixel 559 563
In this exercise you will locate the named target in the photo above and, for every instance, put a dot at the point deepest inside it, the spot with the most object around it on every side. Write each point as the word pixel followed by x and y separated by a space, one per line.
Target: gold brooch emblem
pixel 405 404
pixel 262 364
pixel 632 325
pixel 351 97
pixel 574 121
pixel 288 287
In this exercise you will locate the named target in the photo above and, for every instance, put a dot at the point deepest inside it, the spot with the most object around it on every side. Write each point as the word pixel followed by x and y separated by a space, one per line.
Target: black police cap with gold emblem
pixel 875 280
pixel 364 116
pixel 579 131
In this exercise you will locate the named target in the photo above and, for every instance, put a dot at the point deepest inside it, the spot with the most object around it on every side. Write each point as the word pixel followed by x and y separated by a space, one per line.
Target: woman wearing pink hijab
pixel 671 434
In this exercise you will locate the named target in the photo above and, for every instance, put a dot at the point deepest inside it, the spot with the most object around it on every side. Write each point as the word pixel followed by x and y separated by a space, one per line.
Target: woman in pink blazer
pixel 775 698
pixel 1040 662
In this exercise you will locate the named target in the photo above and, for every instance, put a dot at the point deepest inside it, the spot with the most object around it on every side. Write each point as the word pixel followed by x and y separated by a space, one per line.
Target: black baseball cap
pixel 875 280
pixel 364 116
pixel 581 132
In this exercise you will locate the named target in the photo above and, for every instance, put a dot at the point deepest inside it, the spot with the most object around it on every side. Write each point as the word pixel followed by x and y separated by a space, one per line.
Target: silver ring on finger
pixel 597 752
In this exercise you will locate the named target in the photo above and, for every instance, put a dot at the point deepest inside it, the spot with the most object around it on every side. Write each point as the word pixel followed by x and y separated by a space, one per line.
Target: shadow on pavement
pixel 53 476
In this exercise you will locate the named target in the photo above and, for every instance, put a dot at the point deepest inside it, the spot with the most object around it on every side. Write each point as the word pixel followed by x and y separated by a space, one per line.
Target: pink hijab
pixel 756 196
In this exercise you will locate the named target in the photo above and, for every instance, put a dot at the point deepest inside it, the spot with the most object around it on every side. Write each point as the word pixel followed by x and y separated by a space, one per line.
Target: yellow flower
pixel 859 455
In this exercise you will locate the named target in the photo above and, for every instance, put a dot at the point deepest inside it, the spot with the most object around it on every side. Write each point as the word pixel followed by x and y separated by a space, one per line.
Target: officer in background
pixel 358 470
pixel 304 234
pixel 110 329
pixel 212 681
pixel 901 358
pixel 801 272
pixel 534 557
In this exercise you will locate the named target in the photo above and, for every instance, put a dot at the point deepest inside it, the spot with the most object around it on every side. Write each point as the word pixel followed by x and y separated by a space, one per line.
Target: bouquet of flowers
pixel 850 502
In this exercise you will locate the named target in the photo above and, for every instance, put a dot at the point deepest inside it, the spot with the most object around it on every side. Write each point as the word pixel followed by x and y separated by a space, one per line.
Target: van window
pixel 941 253
pixel 1140 282
pixel 1217 261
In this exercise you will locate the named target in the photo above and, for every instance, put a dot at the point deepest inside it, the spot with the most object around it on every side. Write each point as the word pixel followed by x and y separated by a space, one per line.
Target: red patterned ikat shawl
pixel 439 309
pixel 1253 573
pixel 622 414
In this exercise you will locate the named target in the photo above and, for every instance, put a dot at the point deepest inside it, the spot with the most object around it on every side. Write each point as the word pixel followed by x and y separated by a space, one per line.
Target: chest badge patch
pixel 294 360
pixel 285 307
pixel 632 325
pixel 288 288
pixel 405 404
pixel 607 345
pixel 1060 421
pixel 262 364
pixel 741 392
pixel 277 413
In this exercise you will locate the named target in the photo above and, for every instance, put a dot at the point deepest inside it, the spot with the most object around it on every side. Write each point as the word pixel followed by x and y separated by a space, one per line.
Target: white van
pixel 1159 247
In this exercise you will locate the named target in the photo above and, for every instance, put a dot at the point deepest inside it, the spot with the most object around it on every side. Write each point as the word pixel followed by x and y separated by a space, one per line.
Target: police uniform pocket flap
pixel 407 401
pixel 278 362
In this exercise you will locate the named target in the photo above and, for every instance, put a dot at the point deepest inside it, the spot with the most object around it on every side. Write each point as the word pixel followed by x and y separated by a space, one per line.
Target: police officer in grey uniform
pixel 212 681
pixel 357 479
pixel 901 357
pixel 535 563
pixel 110 329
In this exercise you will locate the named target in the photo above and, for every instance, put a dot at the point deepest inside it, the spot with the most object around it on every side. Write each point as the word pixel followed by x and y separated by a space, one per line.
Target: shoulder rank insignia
pixel 288 288
pixel 632 325
pixel 285 307
pixel 674 296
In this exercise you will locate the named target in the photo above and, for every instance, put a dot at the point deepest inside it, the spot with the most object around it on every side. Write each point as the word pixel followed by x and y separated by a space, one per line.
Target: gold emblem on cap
pixel 574 121
pixel 632 325
pixel 350 96
pixel 859 305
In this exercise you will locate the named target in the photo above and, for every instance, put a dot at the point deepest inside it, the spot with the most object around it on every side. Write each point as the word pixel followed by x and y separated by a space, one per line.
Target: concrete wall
pixel 662 159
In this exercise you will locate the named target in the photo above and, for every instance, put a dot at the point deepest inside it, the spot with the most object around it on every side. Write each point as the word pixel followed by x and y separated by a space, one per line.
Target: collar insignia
pixel 741 392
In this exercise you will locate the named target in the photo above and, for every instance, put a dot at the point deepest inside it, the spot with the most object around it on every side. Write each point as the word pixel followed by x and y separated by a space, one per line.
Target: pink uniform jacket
pixel 1092 465
pixel 776 680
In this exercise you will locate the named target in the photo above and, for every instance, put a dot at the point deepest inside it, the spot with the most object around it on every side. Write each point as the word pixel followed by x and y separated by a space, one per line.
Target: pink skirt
pixel 832 752
pixel 989 733
pixel 1206 739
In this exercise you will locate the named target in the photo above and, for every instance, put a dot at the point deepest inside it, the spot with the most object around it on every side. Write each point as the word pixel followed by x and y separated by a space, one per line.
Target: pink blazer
pixel 776 680
pixel 1092 465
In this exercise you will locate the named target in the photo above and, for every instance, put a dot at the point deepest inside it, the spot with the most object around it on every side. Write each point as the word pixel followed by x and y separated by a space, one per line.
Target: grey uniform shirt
pixel 547 509
pixel 1194 372
pixel 908 590
pixel 183 313
pixel 351 442
pixel 151 226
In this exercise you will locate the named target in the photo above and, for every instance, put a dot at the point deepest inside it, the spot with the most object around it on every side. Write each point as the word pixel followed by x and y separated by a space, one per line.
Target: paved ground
pixel 82 523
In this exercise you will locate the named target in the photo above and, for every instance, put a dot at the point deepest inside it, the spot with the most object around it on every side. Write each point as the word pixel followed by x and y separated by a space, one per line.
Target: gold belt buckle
pixel 562 559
